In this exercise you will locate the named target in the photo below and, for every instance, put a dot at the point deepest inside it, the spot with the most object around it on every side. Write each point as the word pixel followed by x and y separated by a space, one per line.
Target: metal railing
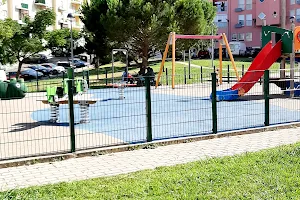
pixel 122 113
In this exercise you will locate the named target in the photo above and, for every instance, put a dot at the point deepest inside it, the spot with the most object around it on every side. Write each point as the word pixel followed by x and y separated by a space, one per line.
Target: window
pixel 249 20
pixel 234 37
pixel 248 4
pixel 241 20
pixel 249 37
pixel 241 36
pixel 292 13
pixel 241 4
pixel 298 14
pixel 292 2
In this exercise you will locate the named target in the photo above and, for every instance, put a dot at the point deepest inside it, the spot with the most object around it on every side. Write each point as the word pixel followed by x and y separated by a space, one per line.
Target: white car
pixel 58 69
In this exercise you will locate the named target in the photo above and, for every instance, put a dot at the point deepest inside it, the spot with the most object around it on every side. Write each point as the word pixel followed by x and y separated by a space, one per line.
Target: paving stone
pixel 131 161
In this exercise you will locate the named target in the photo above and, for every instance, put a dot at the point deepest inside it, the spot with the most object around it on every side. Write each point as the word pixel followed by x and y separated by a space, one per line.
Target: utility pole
pixel 283 23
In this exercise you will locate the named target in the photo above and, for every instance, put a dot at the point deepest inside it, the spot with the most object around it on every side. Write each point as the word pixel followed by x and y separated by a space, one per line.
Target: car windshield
pixel 33 67
pixel 28 71
pixel 41 67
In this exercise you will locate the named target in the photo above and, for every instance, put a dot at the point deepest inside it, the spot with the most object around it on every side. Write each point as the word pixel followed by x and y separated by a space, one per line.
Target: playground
pixel 39 123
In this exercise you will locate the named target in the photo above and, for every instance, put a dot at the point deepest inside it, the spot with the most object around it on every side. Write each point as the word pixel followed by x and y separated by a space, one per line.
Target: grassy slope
pixel 269 174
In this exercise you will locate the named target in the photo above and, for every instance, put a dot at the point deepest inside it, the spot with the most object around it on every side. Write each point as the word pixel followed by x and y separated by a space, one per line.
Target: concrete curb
pixel 130 147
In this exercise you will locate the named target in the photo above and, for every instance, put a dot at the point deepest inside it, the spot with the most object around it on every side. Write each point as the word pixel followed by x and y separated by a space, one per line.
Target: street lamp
pixel 292 58
pixel 71 17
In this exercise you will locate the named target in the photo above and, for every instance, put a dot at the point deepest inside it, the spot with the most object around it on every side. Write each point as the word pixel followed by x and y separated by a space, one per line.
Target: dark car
pixel 39 58
pixel 29 74
pixel 46 71
pixel 51 67
pixel 79 63
pixel 252 52
pixel 203 54
pixel 216 53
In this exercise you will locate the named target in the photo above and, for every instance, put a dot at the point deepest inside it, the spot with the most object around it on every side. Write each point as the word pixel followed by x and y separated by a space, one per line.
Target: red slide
pixel 263 61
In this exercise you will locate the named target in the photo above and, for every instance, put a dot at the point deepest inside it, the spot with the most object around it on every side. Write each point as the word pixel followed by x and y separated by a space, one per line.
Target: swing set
pixel 172 41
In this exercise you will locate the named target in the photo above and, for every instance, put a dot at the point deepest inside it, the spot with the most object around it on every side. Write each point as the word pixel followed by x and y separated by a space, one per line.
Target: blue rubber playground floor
pixel 172 115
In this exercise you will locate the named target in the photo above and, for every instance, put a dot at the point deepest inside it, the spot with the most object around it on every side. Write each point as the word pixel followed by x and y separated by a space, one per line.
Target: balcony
pixel 40 3
pixel 238 9
pixel 240 24
pixel 76 2
pixel 23 6
pixel 61 8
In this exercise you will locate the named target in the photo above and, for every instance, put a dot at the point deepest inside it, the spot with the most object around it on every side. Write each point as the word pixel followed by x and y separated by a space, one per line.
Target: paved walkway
pixel 131 161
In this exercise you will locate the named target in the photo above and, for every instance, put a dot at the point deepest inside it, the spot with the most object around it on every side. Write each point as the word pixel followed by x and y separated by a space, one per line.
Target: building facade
pixel 18 9
pixel 241 20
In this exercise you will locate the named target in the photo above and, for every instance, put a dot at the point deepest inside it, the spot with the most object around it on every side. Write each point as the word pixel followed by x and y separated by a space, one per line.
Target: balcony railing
pixel 238 9
pixel 40 2
pixel 240 24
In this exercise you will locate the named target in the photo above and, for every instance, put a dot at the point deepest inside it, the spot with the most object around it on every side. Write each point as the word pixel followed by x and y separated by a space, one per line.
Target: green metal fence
pixel 124 115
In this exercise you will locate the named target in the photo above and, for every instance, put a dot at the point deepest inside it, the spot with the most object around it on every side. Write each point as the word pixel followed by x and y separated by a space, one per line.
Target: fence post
pixel 87 74
pixel 228 74
pixel 63 79
pixel 167 81
pixel 184 75
pixel 267 97
pixel 163 68
pixel 148 109
pixel 214 69
pixel 71 114
pixel 243 68
pixel 105 76
pixel 214 103
pixel 201 74
pixel 37 81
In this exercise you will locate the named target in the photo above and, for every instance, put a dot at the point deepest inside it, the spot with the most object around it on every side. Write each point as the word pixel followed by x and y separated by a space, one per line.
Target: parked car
pixel 203 54
pixel 55 69
pixel 29 74
pixel 46 71
pixel 58 52
pixel 38 58
pixel 252 52
pixel 79 63
pixel 64 64
pixel 237 48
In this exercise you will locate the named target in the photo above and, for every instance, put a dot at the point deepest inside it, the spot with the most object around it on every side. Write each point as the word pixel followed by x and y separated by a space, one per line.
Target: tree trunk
pixel 144 59
pixel 19 69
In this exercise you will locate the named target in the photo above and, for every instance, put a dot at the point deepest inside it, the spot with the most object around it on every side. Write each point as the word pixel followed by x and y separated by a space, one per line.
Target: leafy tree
pixel 26 40
pixel 95 33
pixel 142 26
pixel 61 38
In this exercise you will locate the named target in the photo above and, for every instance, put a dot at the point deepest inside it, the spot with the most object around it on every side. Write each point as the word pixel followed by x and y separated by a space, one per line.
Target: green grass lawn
pixel 269 174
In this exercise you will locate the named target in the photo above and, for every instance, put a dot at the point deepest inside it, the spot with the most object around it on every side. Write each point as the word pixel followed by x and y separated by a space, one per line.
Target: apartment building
pixel 241 20
pixel 18 9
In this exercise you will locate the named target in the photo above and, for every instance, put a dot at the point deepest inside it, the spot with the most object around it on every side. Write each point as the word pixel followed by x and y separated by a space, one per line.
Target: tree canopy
pixel 20 41
pixel 61 38
pixel 142 26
